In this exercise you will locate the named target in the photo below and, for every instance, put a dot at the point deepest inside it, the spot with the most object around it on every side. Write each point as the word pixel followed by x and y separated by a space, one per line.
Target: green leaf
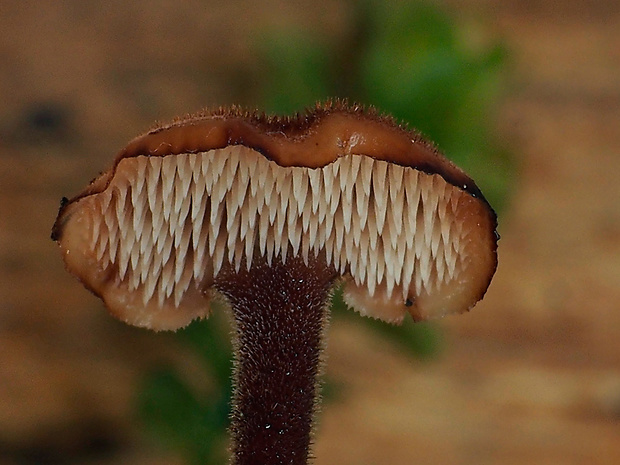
pixel 181 421
pixel 294 72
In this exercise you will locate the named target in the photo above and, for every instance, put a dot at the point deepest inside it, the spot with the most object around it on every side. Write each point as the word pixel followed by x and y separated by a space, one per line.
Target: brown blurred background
pixel 531 376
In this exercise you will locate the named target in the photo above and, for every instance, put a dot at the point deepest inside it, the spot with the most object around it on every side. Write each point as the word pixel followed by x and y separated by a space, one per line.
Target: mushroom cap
pixel 407 230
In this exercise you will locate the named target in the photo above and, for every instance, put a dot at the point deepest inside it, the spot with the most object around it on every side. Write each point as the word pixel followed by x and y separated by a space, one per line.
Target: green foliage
pixel 186 419
pixel 295 73
pixel 416 69
pixel 406 59
pixel 181 420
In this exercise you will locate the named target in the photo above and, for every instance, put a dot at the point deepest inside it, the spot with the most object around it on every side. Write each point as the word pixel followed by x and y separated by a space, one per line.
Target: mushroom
pixel 270 214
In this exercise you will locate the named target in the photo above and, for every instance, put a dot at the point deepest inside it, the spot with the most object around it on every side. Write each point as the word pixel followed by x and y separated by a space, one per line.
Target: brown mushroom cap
pixel 406 229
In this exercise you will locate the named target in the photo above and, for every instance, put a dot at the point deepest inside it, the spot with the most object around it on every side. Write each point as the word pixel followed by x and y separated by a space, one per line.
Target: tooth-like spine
pixel 355 162
pixel 300 188
pixel 155 199
pixel 283 188
pixel 362 263
pixel 268 186
pixel 249 216
pixel 407 272
pixel 371 226
pixel 329 251
pixel 270 252
pixel 181 219
pixel 313 236
pixel 217 211
pixel 451 256
pixel 395 180
pixel 138 196
pixel 199 209
pixel 380 263
pixel 307 217
pixel 334 202
pixel 366 171
pixel 420 246
pixel 278 230
pixel 412 200
pixel 347 248
pixel 164 278
pixel 135 264
pixel 182 243
pixel 440 266
pixel 429 202
pixel 199 259
pixel 157 263
pixel 346 191
pixel 395 212
pixel 215 165
pixel 232 238
pixel 316 183
pixel 168 174
pixel 166 249
pixel 379 182
pixel 232 167
pixel 238 255
pixel 255 169
pixel 249 249
pixel 371 273
pixel 232 205
pixel 294 236
pixel 149 289
pixel 393 266
pixel 435 238
pixel 243 170
pixel 182 181
pixel 146 261
pixel 284 251
pixel 328 182
pixel 181 286
pixel 218 255
pixel 263 230
pixel 146 235
pixel 321 237
pixel 111 224
pixel 338 230
pixel 323 204
pixel 305 249
pixel 425 269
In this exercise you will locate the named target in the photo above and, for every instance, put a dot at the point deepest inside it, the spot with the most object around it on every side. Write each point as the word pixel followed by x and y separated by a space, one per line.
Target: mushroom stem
pixel 280 316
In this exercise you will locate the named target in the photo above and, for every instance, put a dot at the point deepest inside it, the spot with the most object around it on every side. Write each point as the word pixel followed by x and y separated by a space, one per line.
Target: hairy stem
pixel 280 315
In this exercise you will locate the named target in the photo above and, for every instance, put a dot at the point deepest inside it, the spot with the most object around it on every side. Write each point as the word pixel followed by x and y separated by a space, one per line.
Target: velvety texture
pixel 280 315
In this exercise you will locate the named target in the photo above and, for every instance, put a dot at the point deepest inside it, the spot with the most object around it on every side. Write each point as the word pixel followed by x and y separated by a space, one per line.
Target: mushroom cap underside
pixel 151 235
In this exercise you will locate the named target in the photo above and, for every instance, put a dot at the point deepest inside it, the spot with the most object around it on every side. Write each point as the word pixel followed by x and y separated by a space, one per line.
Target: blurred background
pixel 525 95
